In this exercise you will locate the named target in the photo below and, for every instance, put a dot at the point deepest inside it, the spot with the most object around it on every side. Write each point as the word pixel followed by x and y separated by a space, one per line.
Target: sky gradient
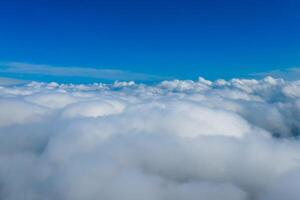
pixel 167 39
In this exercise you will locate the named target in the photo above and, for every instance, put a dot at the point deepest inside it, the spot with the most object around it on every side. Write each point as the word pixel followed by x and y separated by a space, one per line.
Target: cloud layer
pixel 229 140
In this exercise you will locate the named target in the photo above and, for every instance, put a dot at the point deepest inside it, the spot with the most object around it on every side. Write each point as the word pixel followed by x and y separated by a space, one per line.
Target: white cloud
pixel 230 140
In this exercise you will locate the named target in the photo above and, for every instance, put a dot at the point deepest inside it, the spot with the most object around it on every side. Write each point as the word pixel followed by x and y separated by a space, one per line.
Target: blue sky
pixel 148 40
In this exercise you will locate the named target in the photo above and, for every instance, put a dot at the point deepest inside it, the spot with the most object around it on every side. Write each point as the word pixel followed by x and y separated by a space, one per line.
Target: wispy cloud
pixel 287 74
pixel 88 72
pixel 10 81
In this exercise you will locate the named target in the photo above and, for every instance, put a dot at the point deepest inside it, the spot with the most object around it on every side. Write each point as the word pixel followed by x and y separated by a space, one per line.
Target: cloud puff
pixel 230 140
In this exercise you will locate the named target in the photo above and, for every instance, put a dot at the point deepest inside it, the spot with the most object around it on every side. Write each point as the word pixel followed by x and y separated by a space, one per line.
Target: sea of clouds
pixel 175 140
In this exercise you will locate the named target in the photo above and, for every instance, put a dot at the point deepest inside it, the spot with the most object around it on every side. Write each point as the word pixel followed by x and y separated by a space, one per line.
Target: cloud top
pixel 229 140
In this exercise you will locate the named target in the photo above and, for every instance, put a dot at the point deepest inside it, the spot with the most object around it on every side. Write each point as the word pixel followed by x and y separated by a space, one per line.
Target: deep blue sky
pixel 179 38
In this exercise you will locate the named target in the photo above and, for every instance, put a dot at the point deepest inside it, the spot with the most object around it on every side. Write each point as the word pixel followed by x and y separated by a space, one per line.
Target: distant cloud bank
pixel 11 81
pixel 287 74
pixel 97 73
pixel 204 140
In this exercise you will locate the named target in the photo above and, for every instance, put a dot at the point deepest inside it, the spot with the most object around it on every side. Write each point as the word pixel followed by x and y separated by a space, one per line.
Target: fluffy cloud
pixel 230 140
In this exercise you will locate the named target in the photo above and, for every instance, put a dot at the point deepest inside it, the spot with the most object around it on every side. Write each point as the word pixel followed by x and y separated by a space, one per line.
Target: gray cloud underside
pixel 177 140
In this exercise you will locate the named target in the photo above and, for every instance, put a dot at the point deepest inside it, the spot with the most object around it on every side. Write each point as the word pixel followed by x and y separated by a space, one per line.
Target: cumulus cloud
pixel 210 140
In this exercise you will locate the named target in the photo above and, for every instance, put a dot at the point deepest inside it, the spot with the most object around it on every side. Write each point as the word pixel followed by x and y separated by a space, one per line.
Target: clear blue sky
pixel 179 38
